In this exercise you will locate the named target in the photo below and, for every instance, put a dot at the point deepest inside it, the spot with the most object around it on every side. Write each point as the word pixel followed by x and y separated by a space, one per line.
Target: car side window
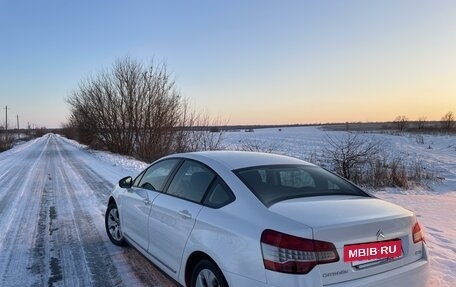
pixel 191 181
pixel 138 179
pixel 219 195
pixel 154 177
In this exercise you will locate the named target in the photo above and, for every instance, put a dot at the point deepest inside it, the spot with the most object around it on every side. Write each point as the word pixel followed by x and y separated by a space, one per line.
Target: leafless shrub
pixel 419 139
pixel 367 164
pixel 41 131
pixel 9 137
pixel 5 143
pixel 69 131
pixel 257 145
pixel 380 173
pixel 350 155
pixel 401 122
pixel 316 157
pixel 421 123
pixel 398 173
pixel 198 132
pixel 448 121
pixel 134 109
pixel 112 109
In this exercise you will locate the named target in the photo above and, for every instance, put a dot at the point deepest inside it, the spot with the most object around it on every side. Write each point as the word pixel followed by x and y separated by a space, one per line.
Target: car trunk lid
pixel 350 220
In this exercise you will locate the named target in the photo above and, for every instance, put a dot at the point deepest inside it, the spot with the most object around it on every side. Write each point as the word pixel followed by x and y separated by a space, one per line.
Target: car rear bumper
pixel 414 274
pixel 234 279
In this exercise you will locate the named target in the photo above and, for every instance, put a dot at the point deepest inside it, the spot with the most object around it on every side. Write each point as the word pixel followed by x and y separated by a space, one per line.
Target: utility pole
pixel 17 117
pixel 6 123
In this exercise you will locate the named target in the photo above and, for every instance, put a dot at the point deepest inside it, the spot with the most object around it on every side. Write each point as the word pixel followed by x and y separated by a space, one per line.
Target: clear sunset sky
pixel 250 62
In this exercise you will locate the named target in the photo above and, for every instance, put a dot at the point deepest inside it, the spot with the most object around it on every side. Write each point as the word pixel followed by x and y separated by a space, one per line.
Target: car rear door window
pixel 219 195
pixel 191 181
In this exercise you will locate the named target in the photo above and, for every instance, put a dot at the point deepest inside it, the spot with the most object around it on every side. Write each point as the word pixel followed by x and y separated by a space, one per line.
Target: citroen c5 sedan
pixel 230 218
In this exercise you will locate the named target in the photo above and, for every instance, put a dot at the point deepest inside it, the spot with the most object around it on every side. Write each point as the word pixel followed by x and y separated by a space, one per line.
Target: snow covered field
pixel 434 205
pixel 53 193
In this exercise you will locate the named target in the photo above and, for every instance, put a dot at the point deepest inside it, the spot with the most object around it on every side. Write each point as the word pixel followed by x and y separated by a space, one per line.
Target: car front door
pixel 136 203
pixel 173 213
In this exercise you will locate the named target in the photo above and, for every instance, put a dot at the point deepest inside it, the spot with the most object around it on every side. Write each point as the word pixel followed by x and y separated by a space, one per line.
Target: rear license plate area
pixel 373 252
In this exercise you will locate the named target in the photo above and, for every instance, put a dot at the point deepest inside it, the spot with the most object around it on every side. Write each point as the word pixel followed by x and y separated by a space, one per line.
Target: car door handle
pixel 185 214
pixel 146 201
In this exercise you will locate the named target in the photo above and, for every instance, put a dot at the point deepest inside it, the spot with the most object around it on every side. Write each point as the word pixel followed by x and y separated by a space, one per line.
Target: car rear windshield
pixel 276 183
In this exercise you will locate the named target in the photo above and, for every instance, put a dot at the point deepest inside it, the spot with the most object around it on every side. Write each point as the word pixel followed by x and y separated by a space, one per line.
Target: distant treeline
pixel 412 126
pixel 408 126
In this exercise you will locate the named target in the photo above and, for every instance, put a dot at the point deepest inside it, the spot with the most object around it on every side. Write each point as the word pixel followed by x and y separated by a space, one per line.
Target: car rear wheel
pixel 112 223
pixel 207 274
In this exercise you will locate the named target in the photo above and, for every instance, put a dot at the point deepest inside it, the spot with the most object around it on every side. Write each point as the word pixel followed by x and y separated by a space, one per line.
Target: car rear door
pixel 136 201
pixel 174 213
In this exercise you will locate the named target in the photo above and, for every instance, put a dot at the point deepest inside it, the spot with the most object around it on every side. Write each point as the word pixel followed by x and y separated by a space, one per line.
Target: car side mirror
pixel 126 182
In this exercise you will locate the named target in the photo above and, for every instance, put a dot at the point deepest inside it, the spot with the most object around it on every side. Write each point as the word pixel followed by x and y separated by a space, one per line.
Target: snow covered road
pixel 52 200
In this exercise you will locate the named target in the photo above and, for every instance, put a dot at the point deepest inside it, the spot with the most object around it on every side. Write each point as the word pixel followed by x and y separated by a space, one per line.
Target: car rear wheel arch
pixel 192 261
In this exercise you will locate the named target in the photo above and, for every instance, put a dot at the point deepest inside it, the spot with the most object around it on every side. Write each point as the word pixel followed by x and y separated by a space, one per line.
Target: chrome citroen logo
pixel 380 235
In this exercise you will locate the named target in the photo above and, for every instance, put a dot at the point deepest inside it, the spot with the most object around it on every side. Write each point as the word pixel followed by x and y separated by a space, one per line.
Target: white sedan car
pixel 252 219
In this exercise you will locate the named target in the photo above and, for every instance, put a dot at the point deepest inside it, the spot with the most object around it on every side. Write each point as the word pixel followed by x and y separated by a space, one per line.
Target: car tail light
pixel 290 254
pixel 417 232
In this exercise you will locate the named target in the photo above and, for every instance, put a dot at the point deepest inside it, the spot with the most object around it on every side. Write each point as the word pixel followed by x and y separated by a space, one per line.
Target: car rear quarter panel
pixel 231 237
pixel 230 240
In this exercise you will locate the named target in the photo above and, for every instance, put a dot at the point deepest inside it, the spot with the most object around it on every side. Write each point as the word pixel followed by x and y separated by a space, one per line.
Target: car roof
pixel 241 159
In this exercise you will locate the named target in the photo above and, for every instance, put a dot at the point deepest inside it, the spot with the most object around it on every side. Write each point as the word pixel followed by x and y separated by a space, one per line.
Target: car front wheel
pixel 207 274
pixel 112 223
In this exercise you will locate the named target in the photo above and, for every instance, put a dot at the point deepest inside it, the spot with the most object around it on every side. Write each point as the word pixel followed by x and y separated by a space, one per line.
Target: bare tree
pixel 130 109
pixel 421 123
pixel 401 122
pixel 350 154
pixel 448 121
pixel 135 109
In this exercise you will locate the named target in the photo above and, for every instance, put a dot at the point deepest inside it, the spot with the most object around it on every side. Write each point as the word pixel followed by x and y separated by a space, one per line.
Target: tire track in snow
pixel 71 255
pixel 51 217
pixel 100 268
pixel 101 188
pixel 11 169
pixel 144 272
pixel 45 255
pixel 19 214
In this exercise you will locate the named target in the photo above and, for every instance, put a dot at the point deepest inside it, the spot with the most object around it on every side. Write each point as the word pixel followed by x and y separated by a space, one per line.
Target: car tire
pixel 207 274
pixel 112 224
